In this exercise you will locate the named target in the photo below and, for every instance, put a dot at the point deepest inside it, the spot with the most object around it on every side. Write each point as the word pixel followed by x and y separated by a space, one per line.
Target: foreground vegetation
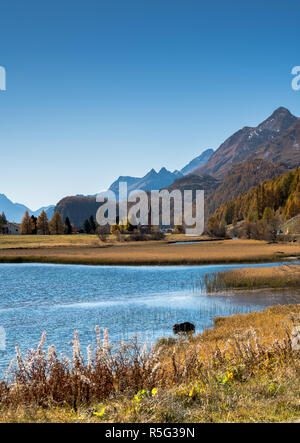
pixel 242 370
pixel 255 278
pixel 88 249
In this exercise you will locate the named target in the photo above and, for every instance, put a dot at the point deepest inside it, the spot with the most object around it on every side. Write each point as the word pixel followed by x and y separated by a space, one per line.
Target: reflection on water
pixel 128 300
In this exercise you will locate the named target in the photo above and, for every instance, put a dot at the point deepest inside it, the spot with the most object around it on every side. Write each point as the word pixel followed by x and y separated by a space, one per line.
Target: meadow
pixel 245 369
pixel 88 249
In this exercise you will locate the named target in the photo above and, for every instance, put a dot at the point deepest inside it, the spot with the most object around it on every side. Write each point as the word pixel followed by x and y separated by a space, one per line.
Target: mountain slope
pixel 197 162
pixel 77 209
pixel 281 194
pixel 284 149
pixel 240 179
pixel 242 145
pixel 195 182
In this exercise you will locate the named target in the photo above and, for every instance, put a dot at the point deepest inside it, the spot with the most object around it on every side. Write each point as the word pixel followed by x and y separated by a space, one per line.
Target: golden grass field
pixel 242 370
pixel 87 249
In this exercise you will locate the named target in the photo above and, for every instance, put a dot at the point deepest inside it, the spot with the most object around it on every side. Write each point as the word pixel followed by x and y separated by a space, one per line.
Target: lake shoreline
pixel 141 262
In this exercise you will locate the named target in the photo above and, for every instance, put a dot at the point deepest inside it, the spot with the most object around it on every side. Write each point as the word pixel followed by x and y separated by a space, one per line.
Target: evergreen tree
pixel 42 224
pixel 3 222
pixel 92 225
pixel 34 221
pixel 3 218
pixel 26 224
pixel 56 225
pixel 68 226
pixel 86 227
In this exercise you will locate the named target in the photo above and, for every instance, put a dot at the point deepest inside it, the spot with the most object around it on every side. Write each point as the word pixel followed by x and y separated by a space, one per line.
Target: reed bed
pixel 254 278
pixel 245 369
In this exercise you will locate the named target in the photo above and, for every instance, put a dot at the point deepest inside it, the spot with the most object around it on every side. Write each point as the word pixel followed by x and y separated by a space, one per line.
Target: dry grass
pixel 46 241
pixel 255 278
pixel 141 253
pixel 54 241
pixel 242 370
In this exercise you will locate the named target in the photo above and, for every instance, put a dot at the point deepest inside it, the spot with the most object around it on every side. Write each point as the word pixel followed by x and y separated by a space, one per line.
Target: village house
pixel 10 229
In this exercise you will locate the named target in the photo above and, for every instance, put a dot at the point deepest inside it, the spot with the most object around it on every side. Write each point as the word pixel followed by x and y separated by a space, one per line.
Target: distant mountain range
pixel 247 158
pixel 158 180
pixel 15 211
pixel 86 205
pixel 151 181
pixel 78 208
pixel 250 156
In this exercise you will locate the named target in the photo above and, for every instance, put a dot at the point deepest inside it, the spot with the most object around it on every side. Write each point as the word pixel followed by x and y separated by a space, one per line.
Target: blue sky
pixel 98 89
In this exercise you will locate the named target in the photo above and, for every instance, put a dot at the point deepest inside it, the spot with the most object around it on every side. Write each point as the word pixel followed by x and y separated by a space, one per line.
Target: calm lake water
pixel 145 301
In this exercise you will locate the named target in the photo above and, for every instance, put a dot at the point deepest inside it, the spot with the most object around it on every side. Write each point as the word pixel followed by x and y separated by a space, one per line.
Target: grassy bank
pixel 242 370
pixel 78 240
pixel 17 250
pixel 255 278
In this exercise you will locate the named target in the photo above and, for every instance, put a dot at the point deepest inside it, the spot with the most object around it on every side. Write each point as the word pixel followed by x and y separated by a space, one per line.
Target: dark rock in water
pixel 183 328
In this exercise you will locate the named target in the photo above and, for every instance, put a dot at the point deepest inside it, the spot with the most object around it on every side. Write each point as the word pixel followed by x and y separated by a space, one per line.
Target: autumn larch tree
pixel 56 225
pixel 42 224
pixel 26 224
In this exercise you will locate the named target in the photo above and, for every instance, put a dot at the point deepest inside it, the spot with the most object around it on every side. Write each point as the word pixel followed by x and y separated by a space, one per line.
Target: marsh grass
pixel 244 369
pixel 254 278
pixel 16 250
